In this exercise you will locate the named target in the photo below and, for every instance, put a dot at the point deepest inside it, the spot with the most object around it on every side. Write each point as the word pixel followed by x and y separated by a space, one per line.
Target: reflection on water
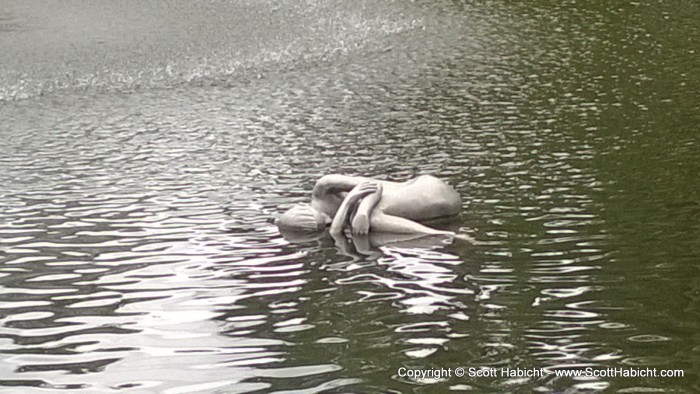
pixel 137 248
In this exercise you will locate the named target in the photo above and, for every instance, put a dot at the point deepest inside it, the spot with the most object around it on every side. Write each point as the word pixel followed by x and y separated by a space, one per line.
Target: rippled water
pixel 147 146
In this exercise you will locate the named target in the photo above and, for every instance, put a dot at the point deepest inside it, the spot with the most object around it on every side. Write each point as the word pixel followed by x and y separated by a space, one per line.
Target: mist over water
pixel 146 147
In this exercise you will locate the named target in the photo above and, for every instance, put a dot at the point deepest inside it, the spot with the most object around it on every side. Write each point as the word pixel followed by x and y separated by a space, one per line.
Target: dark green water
pixel 146 146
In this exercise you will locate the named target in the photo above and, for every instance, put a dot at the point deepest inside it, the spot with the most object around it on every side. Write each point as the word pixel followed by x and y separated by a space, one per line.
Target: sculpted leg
pixel 381 222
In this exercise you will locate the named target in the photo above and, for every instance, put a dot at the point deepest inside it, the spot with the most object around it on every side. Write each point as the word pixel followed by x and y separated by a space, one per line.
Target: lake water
pixel 147 146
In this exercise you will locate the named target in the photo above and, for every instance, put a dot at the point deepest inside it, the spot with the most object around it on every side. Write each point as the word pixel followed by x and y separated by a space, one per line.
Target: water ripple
pixel 137 189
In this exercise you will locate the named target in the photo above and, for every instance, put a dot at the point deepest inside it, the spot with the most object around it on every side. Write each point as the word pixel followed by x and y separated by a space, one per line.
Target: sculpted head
pixel 303 218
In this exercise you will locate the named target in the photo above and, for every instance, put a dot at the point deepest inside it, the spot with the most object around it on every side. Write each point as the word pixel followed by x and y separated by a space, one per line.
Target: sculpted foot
pixel 360 224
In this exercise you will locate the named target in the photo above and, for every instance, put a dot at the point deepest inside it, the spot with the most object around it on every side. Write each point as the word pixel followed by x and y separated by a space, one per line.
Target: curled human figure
pixel 373 205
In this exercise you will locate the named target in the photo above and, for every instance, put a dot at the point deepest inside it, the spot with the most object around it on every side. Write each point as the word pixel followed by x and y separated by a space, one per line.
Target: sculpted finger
pixel 365 189
pixel 369 186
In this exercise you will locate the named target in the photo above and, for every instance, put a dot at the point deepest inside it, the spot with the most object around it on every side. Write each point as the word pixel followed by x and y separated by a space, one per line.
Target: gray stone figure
pixel 373 205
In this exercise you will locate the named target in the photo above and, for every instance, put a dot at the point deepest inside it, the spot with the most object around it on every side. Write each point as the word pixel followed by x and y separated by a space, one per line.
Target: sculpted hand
pixel 362 190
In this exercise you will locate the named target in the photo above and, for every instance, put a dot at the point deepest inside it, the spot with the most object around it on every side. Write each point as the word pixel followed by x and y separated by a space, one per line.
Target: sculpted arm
pixel 361 221
pixel 336 184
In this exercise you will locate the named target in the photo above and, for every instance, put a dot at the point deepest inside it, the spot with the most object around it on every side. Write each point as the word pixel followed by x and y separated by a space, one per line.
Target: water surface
pixel 147 145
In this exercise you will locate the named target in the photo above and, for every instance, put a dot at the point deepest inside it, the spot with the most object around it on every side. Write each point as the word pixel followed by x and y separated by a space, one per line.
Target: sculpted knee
pixel 451 202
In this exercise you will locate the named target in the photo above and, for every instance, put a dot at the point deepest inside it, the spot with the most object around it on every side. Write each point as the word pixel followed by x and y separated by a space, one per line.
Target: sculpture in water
pixel 366 204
